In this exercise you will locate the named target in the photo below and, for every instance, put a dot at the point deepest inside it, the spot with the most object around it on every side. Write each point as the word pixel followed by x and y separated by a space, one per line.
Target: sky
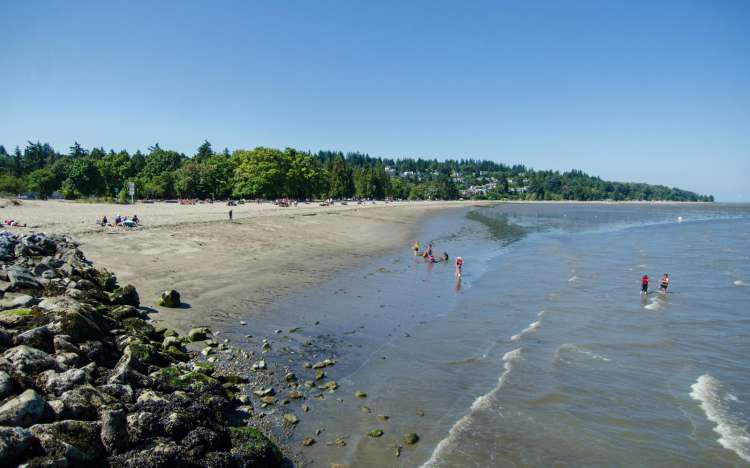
pixel 644 91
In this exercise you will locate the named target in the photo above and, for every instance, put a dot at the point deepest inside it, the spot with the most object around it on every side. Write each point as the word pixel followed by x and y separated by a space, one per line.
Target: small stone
pixel 319 375
pixel 420 413
pixel 170 298
pixel 305 408
pixel 295 395
pixel 277 331
pixel 308 441
pixel 411 438
pixel 259 365
pixel 383 417
pixel 307 365
pixel 359 394
pixel 323 363
pixel 309 383
pixel 243 323
pixel 198 334
pixel 375 433
pixel 291 419
pixel 290 377
pixel 340 441
pixel 268 400
pixel 264 392
pixel 365 410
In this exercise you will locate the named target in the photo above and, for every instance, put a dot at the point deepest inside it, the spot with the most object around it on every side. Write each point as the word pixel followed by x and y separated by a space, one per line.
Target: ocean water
pixel 545 353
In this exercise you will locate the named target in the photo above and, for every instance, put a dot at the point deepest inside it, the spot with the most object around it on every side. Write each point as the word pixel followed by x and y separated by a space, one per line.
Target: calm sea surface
pixel 545 354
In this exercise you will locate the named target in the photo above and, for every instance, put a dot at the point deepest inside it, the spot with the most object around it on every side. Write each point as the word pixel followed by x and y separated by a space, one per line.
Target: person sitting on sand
pixel 104 220
pixel 644 284
pixel 118 220
pixel 664 283
pixel 136 220
pixel 459 266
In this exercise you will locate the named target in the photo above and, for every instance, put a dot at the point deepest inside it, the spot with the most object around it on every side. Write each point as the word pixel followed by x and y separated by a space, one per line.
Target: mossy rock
pixel 139 327
pixel 174 378
pixel 20 312
pixel 106 280
pixel 375 433
pixel 147 354
pixel 177 353
pixel 254 447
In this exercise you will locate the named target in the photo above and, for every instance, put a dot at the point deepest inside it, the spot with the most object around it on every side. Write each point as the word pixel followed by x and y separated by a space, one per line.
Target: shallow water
pixel 545 354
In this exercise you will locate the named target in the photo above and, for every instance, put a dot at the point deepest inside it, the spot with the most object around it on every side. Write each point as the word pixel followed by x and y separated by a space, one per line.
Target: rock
pixel 171 341
pixel 150 395
pixel 411 438
pixel 305 408
pixel 375 433
pixel 62 344
pixel 264 392
pixel 254 448
pixel 23 410
pixel 83 402
pixel 323 363
pixel 29 361
pixel 308 441
pixel 79 442
pixel 20 279
pixel 170 298
pixel 199 334
pixel 23 300
pixel 365 409
pixel 37 337
pixel 57 383
pixel 79 327
pixel 201 440
pixel 16 445
pixel 320 374
pixel 61 304
pixel 126 311
pixel 331 385
pixel 118 392
pixel 359 394
pixel 291 419
pixel 126 295
pixel 290 377
pixel 6 385
pixel 295 395
pixel 259 365
pixel 382 417
pixel 114 434
pixel 268 400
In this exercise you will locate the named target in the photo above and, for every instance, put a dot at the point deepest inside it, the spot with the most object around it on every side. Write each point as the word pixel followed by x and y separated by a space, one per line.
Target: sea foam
pixel 733 432
pixel 534 326
pixel 482 402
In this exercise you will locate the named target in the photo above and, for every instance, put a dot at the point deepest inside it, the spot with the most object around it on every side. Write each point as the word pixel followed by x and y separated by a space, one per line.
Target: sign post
pixel 131 191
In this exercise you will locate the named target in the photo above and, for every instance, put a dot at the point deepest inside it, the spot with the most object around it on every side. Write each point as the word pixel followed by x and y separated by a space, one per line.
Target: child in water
pixel 644 284
pixel 459 266
pixel 664 283
pixel 416 247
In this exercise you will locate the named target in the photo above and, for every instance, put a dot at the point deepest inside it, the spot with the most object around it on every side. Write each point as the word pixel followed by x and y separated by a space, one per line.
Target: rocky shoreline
pixel 87 380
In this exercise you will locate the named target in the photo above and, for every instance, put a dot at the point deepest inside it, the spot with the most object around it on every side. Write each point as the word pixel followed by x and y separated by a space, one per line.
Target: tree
pixel 216 176
pixel 41 181
pixel 260 173
pixel 304 177
pixel 11 185
pixel 77 151
pixel 116 169
pixel 187 181
pixel 83 178
pixel 204 152
pixel 341 183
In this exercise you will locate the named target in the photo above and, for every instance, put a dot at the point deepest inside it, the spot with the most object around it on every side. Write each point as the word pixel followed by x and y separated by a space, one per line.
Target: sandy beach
pixel 222 268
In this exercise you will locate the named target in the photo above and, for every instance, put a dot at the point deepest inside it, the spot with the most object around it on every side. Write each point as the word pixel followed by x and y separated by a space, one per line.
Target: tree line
pixel 272 173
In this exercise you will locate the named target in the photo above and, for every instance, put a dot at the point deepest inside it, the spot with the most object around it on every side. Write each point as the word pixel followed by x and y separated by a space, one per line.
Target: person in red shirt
pixel 644 284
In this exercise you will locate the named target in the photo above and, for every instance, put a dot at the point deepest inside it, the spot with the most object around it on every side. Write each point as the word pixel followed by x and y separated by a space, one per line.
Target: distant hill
pixel 272 173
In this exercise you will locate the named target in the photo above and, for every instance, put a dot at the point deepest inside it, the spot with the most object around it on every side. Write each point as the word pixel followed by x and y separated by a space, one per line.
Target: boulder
pixel 127 295
pixel 125 311
pixel 29 361
pixel 38 337
pixel 62 344
pixel 20 279
pixel 199 334
pixel 79 327
pixel 16 445
pixel 114 433
pixel 6 385
pixel 23 410
pixel 170 298
pixel 83 402
pixel 57 383
pixel 253 448
pixel 411 438
pixel 79 442
pixel 61 304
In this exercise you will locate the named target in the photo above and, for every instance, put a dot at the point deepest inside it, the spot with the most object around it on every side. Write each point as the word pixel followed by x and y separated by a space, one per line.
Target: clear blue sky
pixel 652 91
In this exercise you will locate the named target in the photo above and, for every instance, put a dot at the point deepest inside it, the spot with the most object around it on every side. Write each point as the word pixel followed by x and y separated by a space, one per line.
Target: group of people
pixel 429 256
pixel 663 283
pixel 120 221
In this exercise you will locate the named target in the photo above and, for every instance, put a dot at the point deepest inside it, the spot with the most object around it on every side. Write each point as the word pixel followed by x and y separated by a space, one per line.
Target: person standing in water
pixel 459 266
pixel 644 284
pixel 664 283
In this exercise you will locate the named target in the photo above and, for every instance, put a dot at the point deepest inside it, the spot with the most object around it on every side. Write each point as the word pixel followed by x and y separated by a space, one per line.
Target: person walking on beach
pixel 230 216
pixel 644 284
pixel 664 283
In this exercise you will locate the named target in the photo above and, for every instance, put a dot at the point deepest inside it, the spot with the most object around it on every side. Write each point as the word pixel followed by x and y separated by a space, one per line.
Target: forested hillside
pixel 41 171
